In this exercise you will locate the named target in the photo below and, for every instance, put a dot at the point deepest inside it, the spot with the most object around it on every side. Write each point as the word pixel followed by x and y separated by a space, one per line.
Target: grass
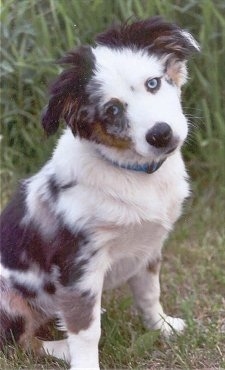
pixel 34 34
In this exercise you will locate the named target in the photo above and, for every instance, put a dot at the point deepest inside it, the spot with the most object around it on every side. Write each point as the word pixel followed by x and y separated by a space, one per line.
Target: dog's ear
pixel 68 90
pixel 175 62
pixel 178 47
pixel 157 37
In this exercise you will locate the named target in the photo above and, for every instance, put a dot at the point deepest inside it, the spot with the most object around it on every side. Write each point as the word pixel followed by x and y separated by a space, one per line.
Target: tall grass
pixel 36 33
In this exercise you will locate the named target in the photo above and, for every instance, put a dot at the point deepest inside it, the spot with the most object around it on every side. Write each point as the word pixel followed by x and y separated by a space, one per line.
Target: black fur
pixel 153 35
pixel 68 91
pixel 23 244
pixel 11 328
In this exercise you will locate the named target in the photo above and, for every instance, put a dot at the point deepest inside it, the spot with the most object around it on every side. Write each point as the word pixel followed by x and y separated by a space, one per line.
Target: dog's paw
pixel 167 325
pixel 170 325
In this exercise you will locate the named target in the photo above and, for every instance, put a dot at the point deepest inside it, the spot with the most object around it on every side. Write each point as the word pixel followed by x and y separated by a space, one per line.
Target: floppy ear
pixel 181 46
pixel 68 90
pixel 175 46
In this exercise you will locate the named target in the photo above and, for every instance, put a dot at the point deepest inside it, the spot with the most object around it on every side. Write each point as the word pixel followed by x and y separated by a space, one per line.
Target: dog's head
pixel 124 93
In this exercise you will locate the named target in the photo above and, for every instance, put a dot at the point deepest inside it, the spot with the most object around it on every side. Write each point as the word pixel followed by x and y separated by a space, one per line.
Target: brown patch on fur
pixel 154 266
pixel 77 309
pixel 46 331
pixel 36 346
pixel 69 108
pixel 15 305
pixel 101 136
pixel 176 72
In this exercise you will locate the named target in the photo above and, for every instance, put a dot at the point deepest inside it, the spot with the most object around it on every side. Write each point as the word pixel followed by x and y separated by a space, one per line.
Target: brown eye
pixel 153 84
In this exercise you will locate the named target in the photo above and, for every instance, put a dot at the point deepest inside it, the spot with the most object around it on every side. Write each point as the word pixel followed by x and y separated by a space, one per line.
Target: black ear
pixel 68 90
pixel 154 35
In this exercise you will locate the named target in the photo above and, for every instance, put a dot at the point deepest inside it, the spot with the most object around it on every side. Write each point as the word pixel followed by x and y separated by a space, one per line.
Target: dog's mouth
pixel 164 152
pixel 171 150
pixel 135 160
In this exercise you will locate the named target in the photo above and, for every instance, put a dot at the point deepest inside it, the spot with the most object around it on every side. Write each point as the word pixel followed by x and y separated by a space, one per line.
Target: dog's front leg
pixel 146 290
pixel 80 312
pixel 83 345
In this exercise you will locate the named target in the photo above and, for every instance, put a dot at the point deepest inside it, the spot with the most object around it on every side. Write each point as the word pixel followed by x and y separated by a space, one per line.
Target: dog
pixel 97 213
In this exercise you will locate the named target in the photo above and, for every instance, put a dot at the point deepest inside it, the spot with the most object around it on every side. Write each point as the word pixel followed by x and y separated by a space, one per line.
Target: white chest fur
pixel 129 213
pixel 132 247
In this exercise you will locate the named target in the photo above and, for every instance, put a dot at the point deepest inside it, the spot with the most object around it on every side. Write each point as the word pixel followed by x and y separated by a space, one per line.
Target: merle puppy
pixel 97 214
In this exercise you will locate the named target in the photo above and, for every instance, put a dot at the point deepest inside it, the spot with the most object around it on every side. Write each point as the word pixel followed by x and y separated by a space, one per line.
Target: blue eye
pixel 153 84
pixel 114 108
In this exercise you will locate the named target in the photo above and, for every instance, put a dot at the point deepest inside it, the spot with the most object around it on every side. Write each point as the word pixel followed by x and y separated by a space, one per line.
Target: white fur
pixel 85 344
pixel 191 39
pixel 121 70
pixel 129 214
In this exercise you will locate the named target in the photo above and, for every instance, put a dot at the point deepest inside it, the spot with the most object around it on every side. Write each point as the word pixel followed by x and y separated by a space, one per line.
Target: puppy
pixel 97 214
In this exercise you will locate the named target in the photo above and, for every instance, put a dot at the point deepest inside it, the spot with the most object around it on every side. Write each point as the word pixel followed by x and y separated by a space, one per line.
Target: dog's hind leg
pixel 18 319
pixel 146 290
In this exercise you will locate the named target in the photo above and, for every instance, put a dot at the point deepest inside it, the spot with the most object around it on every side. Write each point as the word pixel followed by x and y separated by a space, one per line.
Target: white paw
pixel 169 325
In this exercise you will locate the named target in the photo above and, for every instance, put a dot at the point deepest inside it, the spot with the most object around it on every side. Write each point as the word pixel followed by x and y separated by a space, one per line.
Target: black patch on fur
pixel 49 288
pixel 68 186
pixel 66 259
pixel 11 328
pixel 115 124
pixel 13 235
pixel 68 91
pixel 86 293
pixel 19 240
pixel 94 123
pixel 153 35
pixel 24 290
pixel 55 188
pixel 85 119
pixel 93 253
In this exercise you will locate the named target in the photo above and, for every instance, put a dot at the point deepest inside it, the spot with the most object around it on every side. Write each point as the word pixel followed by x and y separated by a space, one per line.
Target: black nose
pixel 159 135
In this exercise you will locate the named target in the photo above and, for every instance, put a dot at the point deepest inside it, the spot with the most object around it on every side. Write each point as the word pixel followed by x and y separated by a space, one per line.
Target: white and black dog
pixel 96 215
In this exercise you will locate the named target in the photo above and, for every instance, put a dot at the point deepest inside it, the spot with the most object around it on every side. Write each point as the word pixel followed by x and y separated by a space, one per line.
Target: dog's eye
pixel 153 84
pixel 113 108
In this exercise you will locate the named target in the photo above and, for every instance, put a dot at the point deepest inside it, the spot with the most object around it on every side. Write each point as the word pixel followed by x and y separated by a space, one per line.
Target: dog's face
pixel 137 102
pixel 124 94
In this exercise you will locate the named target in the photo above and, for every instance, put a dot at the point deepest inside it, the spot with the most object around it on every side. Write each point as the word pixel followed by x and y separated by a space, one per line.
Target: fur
pixel 92 218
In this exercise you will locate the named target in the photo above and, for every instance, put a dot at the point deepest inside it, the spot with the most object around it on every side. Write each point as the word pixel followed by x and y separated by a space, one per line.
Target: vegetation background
pixel 35 33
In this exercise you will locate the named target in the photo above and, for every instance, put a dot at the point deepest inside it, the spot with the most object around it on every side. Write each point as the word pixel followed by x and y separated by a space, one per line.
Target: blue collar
pixel 146 167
